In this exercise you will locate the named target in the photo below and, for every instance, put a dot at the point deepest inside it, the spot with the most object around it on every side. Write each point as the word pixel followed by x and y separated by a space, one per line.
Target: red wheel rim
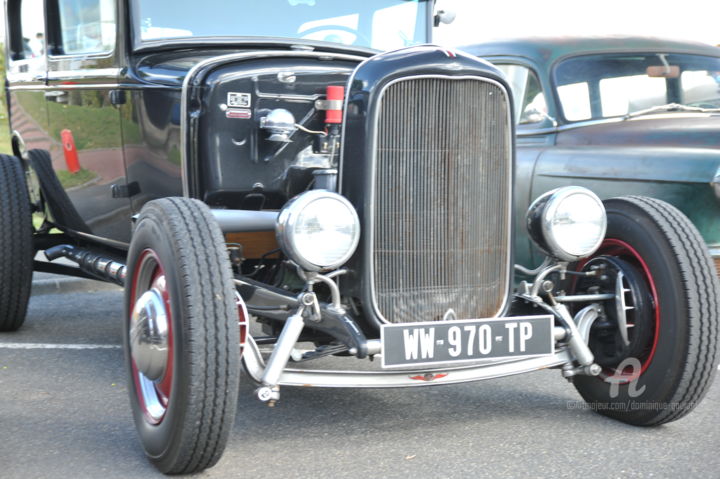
pixel 242 320
pixel 153 396
pixel 621 249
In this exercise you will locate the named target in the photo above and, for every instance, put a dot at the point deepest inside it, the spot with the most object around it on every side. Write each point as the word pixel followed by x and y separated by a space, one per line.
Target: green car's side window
pixel 530 105
pixel 592 87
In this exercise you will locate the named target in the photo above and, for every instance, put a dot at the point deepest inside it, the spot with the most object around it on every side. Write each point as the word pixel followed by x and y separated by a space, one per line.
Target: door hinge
pixel 125 191
pixel 117 97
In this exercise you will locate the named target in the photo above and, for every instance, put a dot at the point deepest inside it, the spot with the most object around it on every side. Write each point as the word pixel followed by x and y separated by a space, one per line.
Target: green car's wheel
pixel 660 357
pixel 181 335
pixel 16 232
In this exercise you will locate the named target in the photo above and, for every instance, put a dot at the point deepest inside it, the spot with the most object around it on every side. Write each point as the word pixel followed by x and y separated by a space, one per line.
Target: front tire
pixel 181 336
pixel 674 341
pixel 16 257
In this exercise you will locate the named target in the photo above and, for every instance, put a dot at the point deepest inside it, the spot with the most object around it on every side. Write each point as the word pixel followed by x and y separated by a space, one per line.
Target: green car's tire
pixel 677 361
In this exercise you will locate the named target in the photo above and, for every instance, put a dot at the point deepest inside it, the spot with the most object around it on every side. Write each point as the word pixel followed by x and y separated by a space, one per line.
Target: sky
pixel 479 20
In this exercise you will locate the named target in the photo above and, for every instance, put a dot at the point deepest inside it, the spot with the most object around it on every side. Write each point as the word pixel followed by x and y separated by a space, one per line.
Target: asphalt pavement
pixel 64 412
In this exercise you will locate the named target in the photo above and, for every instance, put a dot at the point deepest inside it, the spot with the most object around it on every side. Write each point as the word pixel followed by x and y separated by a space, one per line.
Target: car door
pixel 82 102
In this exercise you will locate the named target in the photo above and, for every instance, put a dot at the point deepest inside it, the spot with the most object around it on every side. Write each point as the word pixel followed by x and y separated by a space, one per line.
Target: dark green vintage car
pixel 619 116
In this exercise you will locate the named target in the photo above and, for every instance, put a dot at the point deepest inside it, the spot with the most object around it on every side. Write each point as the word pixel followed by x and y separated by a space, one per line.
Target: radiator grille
pixel 441 211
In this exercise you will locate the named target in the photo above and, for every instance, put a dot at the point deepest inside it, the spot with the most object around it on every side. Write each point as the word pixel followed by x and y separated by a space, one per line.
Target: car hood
pixel 682 130
pixel 170 67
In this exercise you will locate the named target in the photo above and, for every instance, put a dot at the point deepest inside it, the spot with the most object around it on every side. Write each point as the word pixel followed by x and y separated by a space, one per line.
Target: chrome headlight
pixel 568 223
pixel 319 230
pixel 715 183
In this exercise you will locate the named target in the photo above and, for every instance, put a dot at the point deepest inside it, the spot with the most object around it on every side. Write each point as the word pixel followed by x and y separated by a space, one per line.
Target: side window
pixel 625 94
pixel 700 88
pixel 32 28
pixel 575 99
pixel 86 26
pixel 27 31
pixel 529 97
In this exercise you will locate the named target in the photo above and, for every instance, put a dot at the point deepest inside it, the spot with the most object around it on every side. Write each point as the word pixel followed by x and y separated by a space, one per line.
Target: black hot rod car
pixel 273 166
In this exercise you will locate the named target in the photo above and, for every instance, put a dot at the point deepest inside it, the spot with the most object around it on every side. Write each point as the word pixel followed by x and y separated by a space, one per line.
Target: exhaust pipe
pixel 108 269
pixel 105 269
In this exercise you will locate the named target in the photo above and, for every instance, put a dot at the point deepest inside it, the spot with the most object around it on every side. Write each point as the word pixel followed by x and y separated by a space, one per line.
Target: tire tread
pixel 700 283
pixel 17 255
pixel 213 344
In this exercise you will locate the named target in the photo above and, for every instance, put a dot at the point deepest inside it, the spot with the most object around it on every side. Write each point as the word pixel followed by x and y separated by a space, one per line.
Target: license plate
pixel 432 343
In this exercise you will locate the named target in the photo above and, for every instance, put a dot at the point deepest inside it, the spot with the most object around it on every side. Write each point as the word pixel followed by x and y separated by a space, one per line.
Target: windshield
pixel 602 86
pixel 378 24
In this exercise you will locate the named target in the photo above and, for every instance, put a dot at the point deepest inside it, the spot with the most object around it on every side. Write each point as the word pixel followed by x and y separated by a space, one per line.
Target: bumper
pixel 255 367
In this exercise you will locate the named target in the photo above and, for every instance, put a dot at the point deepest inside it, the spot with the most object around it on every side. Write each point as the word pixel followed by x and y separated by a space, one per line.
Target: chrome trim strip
pixel 89 55
pixel 37 86
pixel 370 222
pixel 714 251
pixel 86 86
pixel 91 86
pixel 536 132
pixel 254 365
pixel 602 121
pixel 83 74
pixel 190 77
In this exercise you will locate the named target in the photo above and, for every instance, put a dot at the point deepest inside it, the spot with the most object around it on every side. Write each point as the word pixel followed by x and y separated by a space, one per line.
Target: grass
pixel 4 135
pixel 71 180
pixel 37 220
pixel 95 126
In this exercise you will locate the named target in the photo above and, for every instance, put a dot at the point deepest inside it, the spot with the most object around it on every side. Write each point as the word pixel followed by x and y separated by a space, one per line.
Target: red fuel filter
pixel 335 95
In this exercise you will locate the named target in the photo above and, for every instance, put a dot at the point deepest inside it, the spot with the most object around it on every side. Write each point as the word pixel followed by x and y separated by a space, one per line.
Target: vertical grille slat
pixel 441 213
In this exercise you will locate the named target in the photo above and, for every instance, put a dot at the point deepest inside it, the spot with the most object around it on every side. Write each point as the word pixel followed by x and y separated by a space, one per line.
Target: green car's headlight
pixel 568 223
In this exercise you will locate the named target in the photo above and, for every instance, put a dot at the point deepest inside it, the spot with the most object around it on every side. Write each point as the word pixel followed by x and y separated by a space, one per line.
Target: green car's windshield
pixel 631 84
pixel 378 24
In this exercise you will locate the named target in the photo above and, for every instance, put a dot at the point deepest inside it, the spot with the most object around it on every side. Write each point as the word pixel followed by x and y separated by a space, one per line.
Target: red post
pixel 71 155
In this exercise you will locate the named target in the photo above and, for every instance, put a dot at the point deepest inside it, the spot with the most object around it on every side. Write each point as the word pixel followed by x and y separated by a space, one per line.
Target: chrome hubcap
pixel 149 335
